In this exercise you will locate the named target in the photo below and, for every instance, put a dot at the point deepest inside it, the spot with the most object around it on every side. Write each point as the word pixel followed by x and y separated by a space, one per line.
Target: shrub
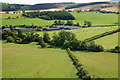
pixel 94 47
pixel 116 49
pixel 42 43
pixel 46 38
pixel 10 39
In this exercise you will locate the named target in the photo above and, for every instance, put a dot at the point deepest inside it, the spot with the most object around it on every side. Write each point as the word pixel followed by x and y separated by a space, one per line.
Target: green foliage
pixel 46 38
pixel 42 43
pixel 10 39
pixel 94 47
pixel 70 23
pixel 58 22
pixel 116 49
pixel 82 73
pixel 62 37
pixel 50 15
pixel 87 23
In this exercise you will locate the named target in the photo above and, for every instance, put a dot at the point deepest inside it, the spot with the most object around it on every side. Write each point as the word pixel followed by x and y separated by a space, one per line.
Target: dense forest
pixel 48 15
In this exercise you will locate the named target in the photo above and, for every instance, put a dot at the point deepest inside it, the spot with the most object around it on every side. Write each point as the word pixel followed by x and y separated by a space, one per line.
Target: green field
pixel 109 42
pixel 95 18
pixel 102 64
pixel 29 61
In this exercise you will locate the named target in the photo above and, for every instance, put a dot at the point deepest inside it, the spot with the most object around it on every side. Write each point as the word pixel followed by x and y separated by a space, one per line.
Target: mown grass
pixel 29 61
pixel 95 18
pixel 99 64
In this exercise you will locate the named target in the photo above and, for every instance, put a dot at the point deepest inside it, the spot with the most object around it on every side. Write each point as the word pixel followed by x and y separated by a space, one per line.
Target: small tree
pixel 10 39
pixel 46 38
pixel 87 23
pixel 42 43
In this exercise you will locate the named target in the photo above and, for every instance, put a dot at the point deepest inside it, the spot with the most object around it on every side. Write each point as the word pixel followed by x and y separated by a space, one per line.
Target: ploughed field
pixel 29 61
pixel 95 18
pixel 99 64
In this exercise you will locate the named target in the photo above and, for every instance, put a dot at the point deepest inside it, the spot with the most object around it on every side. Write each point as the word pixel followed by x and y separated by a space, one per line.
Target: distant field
pixel 29 61
pixel 95 18
pixel 23 21
pixel 102 64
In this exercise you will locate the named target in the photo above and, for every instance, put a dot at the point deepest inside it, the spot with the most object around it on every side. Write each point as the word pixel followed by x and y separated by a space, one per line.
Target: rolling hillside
pixel 16 7
pixel 107 6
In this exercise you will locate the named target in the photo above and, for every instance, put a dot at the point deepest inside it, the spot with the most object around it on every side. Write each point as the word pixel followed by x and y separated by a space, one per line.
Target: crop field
pixel 99 64
pixel 95 18
pixel 30 61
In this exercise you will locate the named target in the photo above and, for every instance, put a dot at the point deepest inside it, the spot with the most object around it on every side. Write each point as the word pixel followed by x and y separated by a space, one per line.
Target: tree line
pixel 63 39
pixel 50 15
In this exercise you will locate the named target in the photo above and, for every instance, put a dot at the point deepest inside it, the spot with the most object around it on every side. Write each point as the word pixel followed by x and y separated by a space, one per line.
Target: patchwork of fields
pixel 99 64
pixel 29 61
pixel 95 18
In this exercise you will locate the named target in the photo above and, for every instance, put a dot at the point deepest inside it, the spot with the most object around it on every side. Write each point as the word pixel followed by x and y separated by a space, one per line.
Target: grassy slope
pixel 96 18
pixel 109 42
pixel 22 21
pixel 104 65
pixel 28 61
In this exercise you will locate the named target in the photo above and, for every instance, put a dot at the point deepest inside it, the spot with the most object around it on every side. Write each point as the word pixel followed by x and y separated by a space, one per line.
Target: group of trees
pixel 21 26
pixel 12 18
pixel 69 23
pixel 66 40
pixel 63 39
pixel 116 49
pixel 50 15
pixel 87 23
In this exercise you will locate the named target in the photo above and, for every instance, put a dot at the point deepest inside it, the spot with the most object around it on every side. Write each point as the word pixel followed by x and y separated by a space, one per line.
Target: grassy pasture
pixel 21 20
pixel 29 61
pixel 102 64
pixel 95 18
pixel 109 42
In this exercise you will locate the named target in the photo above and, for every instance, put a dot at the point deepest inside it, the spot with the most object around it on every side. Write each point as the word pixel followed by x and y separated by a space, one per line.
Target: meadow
pixel 99 64
pixel 30 61
pixel 109 42
pixel 95 18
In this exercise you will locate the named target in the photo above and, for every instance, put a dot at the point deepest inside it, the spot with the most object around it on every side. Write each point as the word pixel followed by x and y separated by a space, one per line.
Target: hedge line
pixel 81 70
pixel 102 35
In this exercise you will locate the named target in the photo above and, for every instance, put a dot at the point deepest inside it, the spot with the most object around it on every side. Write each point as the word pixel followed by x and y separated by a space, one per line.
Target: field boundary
pixel 101 35
pixel 82 72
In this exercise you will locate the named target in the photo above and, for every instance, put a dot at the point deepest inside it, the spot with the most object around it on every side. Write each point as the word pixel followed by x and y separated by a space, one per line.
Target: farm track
pixel 101 35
